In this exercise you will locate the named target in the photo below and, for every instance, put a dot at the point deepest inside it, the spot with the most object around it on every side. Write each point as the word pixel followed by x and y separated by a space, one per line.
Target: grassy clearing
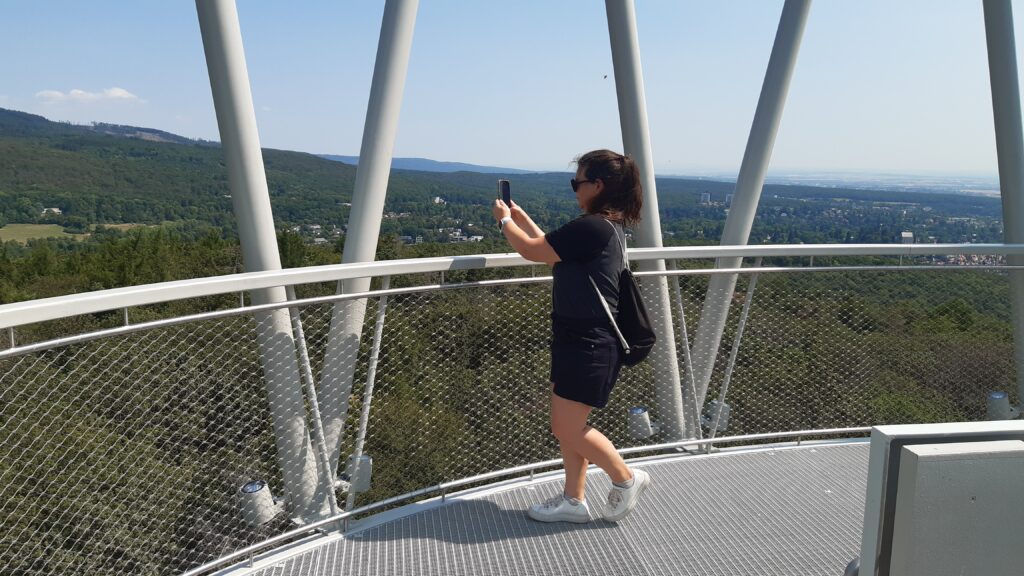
pixel 125 226
pixel 25 232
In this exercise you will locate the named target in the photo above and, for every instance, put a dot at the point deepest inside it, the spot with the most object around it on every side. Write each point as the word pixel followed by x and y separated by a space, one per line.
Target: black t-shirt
pixel 590 245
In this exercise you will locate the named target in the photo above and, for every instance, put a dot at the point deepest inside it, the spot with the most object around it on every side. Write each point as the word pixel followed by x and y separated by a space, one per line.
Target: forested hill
pixel 105 174
pixel 98 175
pixel 427 165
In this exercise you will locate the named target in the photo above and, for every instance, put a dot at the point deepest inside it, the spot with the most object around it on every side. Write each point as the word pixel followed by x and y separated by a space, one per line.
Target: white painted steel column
pixel 636 140
pixel 236 119
pixel 1002 70
pixel 371 187
pixel 758 153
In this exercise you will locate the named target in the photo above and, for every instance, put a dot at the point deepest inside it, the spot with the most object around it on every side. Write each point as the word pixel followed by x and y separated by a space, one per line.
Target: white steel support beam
pixel 1002 70
pixel 756 157
pixel 236 119
pixel 371 187
pixel 636 140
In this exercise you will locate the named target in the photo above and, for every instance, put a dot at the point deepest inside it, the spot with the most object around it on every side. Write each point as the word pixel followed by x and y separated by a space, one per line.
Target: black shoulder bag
pixel 633 325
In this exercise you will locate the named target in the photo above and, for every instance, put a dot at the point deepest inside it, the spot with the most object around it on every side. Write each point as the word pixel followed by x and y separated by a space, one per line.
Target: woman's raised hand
pixel 500 210
pixel 519 215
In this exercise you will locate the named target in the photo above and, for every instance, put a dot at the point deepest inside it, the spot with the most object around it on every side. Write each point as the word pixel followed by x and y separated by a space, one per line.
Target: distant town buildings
pixel 973 260
pixel 810 219
pixel 317 233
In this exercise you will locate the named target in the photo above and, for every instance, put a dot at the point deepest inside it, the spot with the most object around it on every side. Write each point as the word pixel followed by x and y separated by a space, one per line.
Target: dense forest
pixel 145 436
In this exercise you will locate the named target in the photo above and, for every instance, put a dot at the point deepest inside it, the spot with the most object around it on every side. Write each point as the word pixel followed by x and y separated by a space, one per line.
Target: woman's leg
pixel 575 465
pixel 583 444
pixel 575 472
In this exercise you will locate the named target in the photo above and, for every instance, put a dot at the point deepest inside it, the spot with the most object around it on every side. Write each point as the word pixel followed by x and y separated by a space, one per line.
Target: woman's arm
pixel 533 248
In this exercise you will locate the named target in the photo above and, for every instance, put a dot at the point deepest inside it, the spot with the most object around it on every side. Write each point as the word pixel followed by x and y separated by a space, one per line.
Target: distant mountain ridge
pixel 150 134
pixel 427 165
pixel 15 123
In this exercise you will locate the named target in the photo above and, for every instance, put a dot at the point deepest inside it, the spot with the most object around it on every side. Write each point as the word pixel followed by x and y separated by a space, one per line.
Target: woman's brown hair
pixel 622 196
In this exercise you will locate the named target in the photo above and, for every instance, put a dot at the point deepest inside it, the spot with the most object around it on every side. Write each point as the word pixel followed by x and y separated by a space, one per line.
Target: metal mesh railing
pixel 124 454
pixel 837 349
pixel 118 454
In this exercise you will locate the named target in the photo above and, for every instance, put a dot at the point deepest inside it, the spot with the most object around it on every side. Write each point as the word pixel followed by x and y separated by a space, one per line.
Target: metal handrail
pixel 249 551
pixel 44 309
pixel 242 309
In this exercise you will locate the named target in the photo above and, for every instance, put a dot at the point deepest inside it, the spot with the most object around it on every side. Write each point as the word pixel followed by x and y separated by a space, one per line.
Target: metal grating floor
pixel 787 511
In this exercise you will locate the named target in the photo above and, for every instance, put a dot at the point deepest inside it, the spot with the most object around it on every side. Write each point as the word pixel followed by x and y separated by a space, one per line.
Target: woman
pixel 585 355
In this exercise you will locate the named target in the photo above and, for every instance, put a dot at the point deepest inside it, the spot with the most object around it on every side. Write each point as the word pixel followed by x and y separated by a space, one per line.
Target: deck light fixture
pixel 638 423
pixel 998 407
pixel 257 503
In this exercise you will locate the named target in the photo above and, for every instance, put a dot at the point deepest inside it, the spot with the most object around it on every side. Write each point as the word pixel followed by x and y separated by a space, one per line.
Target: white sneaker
pixel 622 500
pixel 559 509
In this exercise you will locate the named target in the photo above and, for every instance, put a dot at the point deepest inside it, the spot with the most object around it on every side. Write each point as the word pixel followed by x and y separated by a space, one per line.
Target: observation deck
pixel 782 510
pixel 132 416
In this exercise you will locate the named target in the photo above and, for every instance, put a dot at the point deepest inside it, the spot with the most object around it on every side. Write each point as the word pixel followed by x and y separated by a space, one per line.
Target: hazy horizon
pixel 715 174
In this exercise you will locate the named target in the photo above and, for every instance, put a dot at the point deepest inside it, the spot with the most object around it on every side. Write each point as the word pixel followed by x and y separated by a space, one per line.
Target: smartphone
pixel 505 189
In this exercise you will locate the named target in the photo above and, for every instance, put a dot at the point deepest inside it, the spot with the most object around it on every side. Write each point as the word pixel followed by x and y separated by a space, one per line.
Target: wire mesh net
pixel 125 454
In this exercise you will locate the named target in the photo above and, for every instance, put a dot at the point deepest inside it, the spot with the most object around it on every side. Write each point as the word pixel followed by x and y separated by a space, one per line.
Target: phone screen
pixel 505 189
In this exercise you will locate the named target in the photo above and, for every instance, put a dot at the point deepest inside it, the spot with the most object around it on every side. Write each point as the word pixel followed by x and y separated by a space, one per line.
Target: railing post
pixel 236 120
pixel 690 407
pixel 367 209
pixel 323 458
pixel 1002 66
pixel 371 377
pixel 738 224
pixel 713 430
pixel 629 89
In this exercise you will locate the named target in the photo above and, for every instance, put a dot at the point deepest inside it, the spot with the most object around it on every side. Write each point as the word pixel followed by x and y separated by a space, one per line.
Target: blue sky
pixel 880 86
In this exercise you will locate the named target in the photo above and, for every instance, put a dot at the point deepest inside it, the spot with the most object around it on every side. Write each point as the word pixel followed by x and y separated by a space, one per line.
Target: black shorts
pixel 586 358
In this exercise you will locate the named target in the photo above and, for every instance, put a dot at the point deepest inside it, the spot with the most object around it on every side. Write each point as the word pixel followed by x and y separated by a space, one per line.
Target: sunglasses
pixel 577 183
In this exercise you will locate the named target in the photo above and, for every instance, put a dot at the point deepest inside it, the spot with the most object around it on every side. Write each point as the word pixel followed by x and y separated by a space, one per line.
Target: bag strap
pixel 604 303
pixel 608 311
pixel 615 231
